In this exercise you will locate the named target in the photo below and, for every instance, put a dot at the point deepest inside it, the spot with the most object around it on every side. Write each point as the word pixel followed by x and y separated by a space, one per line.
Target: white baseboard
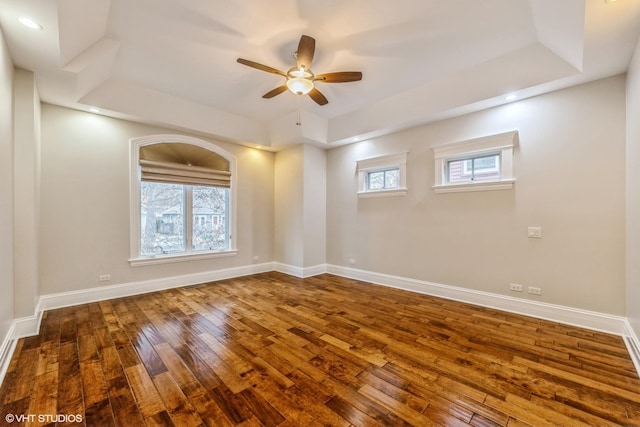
pixel 20 328
pixel 300 272
pixel 633 344
pixel 27 326
pixel 66 299
pixel 6 350
pixel 557 313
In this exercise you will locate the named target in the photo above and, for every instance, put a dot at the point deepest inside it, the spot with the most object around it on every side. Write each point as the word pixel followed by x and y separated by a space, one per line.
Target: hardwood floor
pixel 274 350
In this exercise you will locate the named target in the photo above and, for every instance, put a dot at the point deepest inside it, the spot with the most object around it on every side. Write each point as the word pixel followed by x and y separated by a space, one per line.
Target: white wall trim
pixel 633 344
pixel 301 272
pixel 571 316
pixel 394 192
pixel 315 270
pixel 66 299
pixel 20 328
pixel 503 184
pixel 27 326
pixel 6 350
pixel 168 259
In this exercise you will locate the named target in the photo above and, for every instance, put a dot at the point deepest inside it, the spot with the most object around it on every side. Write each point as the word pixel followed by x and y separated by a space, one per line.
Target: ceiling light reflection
pixel 29 23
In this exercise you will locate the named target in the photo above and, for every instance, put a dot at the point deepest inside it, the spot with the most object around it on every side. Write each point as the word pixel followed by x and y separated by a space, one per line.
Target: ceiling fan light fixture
pixel 300 81
pixel 300 85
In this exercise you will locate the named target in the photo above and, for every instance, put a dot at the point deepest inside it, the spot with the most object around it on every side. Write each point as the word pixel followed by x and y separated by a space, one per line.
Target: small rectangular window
pixel 473 169
pixel 479 164
pixel 383 180
pixel 382 176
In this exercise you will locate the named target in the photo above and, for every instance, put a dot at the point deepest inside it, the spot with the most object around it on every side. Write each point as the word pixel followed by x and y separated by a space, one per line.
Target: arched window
pixel 178 185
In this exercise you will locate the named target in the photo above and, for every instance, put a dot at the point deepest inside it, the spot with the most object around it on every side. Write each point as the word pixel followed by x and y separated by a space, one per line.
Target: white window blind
pixel 178 163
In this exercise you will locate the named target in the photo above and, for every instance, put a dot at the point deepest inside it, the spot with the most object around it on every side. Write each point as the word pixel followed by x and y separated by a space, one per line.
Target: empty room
pixel 314 213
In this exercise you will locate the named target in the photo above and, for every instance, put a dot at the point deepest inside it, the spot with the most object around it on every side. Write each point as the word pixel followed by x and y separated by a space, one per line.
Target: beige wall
pixel 85 203
pixel 6 189
pixel 633 192
pixel 27 192
pixel 300 206
pixel 315 206
pixel 289 238
pixel 570 181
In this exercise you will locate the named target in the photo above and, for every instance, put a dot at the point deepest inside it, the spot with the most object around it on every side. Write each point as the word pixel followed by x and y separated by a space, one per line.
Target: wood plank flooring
pixel 274 350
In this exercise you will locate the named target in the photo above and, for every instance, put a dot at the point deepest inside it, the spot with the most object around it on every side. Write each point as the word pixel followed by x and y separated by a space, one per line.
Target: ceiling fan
pixel 300 79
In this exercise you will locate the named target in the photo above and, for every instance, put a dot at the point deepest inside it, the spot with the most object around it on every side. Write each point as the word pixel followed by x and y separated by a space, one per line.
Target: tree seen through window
pixel 163 210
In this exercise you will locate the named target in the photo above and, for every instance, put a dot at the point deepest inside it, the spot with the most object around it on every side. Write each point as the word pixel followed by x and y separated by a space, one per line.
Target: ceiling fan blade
pixel 306 49
pixel 317 96
pixel 260 67
pixel 274 92
pixel 339 77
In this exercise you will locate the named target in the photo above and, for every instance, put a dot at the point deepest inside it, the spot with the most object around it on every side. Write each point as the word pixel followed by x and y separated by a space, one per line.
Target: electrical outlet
pixel 256 258
pixel 515 287
pixel 352 262
pixel 104 277
pixel 534 232
pixel 533 290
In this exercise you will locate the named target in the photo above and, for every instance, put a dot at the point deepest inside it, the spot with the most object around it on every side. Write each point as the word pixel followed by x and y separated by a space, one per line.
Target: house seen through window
pixel 476 169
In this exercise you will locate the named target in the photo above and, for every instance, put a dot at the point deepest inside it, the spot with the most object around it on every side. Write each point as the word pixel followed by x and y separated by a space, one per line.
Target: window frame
pixel 385 163
pixel 135 258
pixel 501 144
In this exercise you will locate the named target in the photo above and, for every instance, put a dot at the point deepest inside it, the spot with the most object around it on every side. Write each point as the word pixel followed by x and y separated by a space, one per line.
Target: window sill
pixel 383 193
pixel 506 184
pixel 166 259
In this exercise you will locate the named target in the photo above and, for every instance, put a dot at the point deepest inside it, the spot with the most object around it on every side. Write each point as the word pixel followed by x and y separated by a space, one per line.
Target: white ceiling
pixel 173 62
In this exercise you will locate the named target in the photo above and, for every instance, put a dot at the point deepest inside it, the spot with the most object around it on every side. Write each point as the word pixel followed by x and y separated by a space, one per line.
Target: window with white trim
pixel 181 200
pixel 382 176
pixel 479 164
